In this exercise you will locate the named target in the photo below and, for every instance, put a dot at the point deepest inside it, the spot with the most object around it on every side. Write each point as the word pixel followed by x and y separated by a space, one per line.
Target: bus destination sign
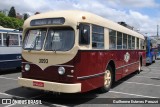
pixel 47 21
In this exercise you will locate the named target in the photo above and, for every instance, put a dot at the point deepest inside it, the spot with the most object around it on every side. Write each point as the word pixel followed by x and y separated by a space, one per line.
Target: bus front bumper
pixel 49 86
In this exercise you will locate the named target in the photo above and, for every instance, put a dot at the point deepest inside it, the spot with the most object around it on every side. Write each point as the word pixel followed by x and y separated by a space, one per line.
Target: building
pixel 5 12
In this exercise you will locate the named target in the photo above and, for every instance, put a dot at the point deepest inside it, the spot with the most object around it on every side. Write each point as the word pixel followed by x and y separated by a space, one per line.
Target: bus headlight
pixel 27 67
pixel 61 70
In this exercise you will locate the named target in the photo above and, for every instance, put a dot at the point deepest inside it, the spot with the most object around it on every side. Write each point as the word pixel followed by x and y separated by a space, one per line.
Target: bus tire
pixel 108 79
pixel 154 58
pixel 139 67
pixel 18 69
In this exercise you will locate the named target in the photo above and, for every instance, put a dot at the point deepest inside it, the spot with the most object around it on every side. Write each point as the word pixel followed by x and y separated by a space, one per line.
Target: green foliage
pixel 2 15
pixel 10 22
pixel 12 12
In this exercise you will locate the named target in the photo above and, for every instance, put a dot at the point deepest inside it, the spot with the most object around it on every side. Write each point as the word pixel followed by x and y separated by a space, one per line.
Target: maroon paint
pixel 87 62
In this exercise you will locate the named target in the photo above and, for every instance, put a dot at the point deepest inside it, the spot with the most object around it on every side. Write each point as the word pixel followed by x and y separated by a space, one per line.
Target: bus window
pixel 20 40
pixel 97 37
pixel 137 43
pixel 0 40
pixel 13 40
pixel 59 40
pixel 129 41
pixel 84 34
pixel 4 39
pixel 144 44
pixel 124 41
pixel 112 39
pixel 119 40
pixel 34 39
pixel 133 42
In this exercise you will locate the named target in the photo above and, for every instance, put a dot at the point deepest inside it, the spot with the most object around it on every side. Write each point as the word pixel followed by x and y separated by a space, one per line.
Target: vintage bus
pixel 76 51
pixel 151 50
pixel 10 48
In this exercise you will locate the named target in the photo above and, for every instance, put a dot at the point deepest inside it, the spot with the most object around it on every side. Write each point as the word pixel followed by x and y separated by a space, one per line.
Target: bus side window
pixel 84 34
pixel 0 40
pixel 119 40
pixel 129 41
pixel 112 39
pixel 143 44
pixel 13 40
pixel 7 40
pixel 97 37
pixel 133 42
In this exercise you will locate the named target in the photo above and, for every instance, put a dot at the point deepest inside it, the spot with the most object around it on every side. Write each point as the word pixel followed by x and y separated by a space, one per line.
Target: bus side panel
pixel 90 63
pixel 10 57
pixel 92 66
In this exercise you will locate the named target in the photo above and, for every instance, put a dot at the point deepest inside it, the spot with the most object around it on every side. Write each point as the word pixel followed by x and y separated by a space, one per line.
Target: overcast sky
pixel 144 15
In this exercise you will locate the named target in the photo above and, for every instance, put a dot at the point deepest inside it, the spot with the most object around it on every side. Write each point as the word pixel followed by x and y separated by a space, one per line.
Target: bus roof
pixel 75 16
pixel 2 29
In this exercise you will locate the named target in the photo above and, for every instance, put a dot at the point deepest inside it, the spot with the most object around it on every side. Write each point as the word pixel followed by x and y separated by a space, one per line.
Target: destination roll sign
pixel 47 21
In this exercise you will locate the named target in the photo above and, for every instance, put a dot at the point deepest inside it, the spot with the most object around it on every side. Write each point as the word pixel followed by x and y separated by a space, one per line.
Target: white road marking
pixel 140 83
pixel 11 95
pixel 149 73
pixel 8 78
pixel 10 105
pixel 138 95
pixel 5 94
pixel 146 77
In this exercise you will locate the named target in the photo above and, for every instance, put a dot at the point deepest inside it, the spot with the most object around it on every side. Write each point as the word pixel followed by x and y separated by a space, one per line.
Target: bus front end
pixel 49 55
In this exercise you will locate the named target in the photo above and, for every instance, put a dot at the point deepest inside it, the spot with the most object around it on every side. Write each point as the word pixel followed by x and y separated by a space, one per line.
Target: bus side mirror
pixel 7 40
pixel 84 37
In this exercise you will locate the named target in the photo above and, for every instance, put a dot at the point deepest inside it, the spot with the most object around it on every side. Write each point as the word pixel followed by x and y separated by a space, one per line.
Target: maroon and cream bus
pixel 76 51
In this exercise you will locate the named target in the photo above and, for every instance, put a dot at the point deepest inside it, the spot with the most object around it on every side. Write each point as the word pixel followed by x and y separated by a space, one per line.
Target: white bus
pixel 10 48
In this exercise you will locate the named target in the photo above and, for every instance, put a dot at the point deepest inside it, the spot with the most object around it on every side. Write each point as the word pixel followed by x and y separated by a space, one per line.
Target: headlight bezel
pixel 27 67
pixel 61 70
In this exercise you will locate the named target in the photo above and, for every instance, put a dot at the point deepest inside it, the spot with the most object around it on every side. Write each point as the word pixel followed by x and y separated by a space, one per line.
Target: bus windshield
pixel 59 40
pixel 56 40
pixel 34 39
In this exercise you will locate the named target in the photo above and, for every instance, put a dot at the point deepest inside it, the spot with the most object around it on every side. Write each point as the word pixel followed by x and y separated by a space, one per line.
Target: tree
pixel 12 12
pixel 25 16
pixel 10 22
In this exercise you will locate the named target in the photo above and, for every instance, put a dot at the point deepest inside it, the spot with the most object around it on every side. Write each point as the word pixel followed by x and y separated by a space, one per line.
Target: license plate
pixel 38 84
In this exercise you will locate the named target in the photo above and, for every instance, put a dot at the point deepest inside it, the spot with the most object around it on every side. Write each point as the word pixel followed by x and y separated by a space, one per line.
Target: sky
pixel 143 15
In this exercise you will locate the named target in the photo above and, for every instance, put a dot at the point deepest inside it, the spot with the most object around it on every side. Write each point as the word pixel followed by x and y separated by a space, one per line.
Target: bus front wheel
pixel 108 78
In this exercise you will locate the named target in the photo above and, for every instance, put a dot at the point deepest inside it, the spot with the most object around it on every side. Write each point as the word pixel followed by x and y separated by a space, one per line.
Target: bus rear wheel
pixel 108 78
pixel 139 67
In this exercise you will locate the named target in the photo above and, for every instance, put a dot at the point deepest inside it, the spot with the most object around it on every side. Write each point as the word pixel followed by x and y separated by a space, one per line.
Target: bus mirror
pixel 84 35
pixel 85 32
